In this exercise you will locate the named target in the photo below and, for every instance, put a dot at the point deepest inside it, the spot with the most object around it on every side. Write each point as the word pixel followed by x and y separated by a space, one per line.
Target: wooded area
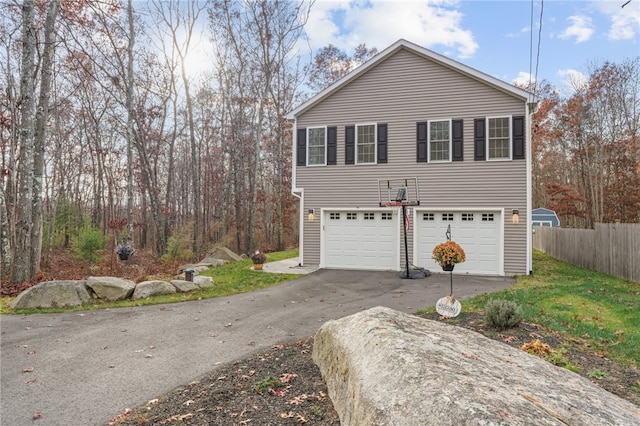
pixel 114 119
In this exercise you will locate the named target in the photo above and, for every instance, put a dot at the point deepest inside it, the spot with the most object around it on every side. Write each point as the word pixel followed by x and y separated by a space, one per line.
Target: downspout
pixel 531 106
pixel 297 192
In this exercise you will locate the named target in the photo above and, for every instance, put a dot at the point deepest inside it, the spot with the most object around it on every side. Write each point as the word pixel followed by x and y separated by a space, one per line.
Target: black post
pixel 406 248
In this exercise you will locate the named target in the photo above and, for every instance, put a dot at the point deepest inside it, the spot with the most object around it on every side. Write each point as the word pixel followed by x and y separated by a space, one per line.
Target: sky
pixel 495 37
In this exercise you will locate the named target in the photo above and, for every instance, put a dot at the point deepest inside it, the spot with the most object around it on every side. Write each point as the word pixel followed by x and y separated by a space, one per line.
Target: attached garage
pixel 360 239
pixel 478 232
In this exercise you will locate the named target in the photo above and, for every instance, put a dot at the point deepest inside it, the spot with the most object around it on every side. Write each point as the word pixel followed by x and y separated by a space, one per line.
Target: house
pixel 456 138
pixel 544 217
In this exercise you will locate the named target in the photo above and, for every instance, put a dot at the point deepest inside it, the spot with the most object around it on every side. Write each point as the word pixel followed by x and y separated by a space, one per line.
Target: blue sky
pixel 492 36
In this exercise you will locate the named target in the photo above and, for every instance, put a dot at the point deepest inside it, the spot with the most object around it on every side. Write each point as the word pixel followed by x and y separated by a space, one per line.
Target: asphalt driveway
pixel 85 368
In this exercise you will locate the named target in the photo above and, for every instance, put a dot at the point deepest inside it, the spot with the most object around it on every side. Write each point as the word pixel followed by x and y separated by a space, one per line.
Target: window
pixel 369 216
pixel 352 216
pixel 447 217
pixel 317 146
pixel 428 216
pixel 467 217
pixel 499 138
pixel 366 144
pixel 387 216
pixel 439 140
pixel 487 217
pixel 334 216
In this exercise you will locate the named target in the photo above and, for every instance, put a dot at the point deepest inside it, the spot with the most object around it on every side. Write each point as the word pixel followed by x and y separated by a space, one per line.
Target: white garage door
pixel 478 232
pixel 361 240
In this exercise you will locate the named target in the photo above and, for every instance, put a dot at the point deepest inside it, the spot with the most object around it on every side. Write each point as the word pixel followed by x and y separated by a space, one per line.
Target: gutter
pixel 298 193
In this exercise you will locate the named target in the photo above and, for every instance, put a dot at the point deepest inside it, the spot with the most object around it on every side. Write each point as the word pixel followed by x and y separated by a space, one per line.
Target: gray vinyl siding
pixel 401 91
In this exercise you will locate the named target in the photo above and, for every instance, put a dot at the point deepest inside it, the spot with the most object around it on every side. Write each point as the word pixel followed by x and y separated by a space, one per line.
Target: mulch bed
pixel 231 395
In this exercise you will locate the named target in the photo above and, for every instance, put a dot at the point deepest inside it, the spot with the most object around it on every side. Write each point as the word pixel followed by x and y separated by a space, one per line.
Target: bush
pixel 502 314
pixel 178 249
pixel 89 241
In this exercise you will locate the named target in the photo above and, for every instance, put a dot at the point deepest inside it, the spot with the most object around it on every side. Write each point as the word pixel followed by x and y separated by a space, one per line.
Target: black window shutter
pixel 479 139
pixel 518 138
pixel 301 147
pixel 382 143
pixel 457 138
pixel 349 144
pixel 421 137
pixel 332 145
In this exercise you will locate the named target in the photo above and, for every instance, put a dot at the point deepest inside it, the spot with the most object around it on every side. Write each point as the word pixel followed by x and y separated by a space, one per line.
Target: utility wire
pixel 539 42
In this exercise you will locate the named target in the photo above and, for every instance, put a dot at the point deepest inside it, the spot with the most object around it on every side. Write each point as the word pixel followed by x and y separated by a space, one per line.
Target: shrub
pixel 89 241
pixel 502 314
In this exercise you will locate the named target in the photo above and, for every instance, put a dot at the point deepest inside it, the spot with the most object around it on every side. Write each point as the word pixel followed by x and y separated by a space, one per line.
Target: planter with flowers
pixel 125 251
pixel 258 258
pixel 447 254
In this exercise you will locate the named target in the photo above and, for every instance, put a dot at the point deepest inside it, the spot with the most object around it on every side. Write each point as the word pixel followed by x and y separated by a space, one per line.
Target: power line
pixel 539 42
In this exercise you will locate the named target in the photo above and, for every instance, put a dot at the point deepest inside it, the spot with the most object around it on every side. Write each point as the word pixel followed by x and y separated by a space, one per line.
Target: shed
pixel 544 217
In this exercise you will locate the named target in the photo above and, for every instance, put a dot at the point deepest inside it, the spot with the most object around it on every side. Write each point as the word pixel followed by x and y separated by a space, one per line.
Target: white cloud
pixel 581 28
pixel 379 23
pixel 573 80
pixel 625 21
pixel 524 79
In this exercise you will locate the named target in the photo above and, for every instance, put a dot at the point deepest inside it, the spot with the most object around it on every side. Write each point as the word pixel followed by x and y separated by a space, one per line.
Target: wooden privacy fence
pixel 610 248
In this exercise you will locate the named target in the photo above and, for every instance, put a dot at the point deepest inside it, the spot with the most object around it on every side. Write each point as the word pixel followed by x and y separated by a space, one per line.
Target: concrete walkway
pixel 83 368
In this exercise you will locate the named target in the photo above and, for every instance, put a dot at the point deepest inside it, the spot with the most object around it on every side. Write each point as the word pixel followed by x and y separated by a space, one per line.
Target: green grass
pixel 231 278
pixel 590 307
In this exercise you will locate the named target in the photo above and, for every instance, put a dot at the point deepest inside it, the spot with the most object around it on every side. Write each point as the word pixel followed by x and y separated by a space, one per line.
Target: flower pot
pixel 257 266
pixel 448 267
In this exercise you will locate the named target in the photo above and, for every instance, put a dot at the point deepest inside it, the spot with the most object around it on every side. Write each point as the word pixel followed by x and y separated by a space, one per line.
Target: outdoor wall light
pixel 312 215
pixel 515 216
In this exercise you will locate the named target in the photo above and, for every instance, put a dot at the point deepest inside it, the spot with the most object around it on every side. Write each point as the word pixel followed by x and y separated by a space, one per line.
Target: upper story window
pixel 317 146
pixel 440 140
pixel 366 144
pixel 498 138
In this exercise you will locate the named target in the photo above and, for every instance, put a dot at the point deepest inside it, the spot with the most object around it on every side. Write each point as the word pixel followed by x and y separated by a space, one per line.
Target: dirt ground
pixel 232 395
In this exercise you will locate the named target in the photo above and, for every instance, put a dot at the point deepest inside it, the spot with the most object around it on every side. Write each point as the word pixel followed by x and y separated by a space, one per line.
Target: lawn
pixel 230 278
pixel 589 307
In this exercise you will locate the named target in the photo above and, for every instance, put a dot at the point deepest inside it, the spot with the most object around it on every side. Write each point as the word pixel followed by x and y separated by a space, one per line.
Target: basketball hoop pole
pixel 406 247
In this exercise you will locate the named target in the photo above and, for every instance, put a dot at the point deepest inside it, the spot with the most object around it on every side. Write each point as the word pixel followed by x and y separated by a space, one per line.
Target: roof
pixel 427 54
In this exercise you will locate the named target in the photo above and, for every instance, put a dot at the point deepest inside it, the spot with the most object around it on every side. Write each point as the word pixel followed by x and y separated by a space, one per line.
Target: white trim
pixel 325 146
pixel 426 53
pixel 510 118
pixel 429 160
pixel 529 216
pixel 375 143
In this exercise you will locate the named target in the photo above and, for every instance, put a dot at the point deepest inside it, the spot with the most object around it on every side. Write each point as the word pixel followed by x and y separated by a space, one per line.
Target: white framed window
pixel 352 216
pixel 428 217
pixel 334 216
pixel 499 138
pixel 439 140
pixel 369 216
pixel 447 217
pixel 366 144
pixel 387 216
pixel 317 146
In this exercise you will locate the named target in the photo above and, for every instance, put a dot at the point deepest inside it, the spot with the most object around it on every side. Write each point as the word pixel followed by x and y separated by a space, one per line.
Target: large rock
pixel 224 254
pixel 111 288
pixel 183 286
pixel 384 367
pixel 203 281
pixel 152 288
pixel 50 294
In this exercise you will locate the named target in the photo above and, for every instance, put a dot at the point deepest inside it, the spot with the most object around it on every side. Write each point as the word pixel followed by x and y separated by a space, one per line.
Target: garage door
pixel 361 240
pixel 478 232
